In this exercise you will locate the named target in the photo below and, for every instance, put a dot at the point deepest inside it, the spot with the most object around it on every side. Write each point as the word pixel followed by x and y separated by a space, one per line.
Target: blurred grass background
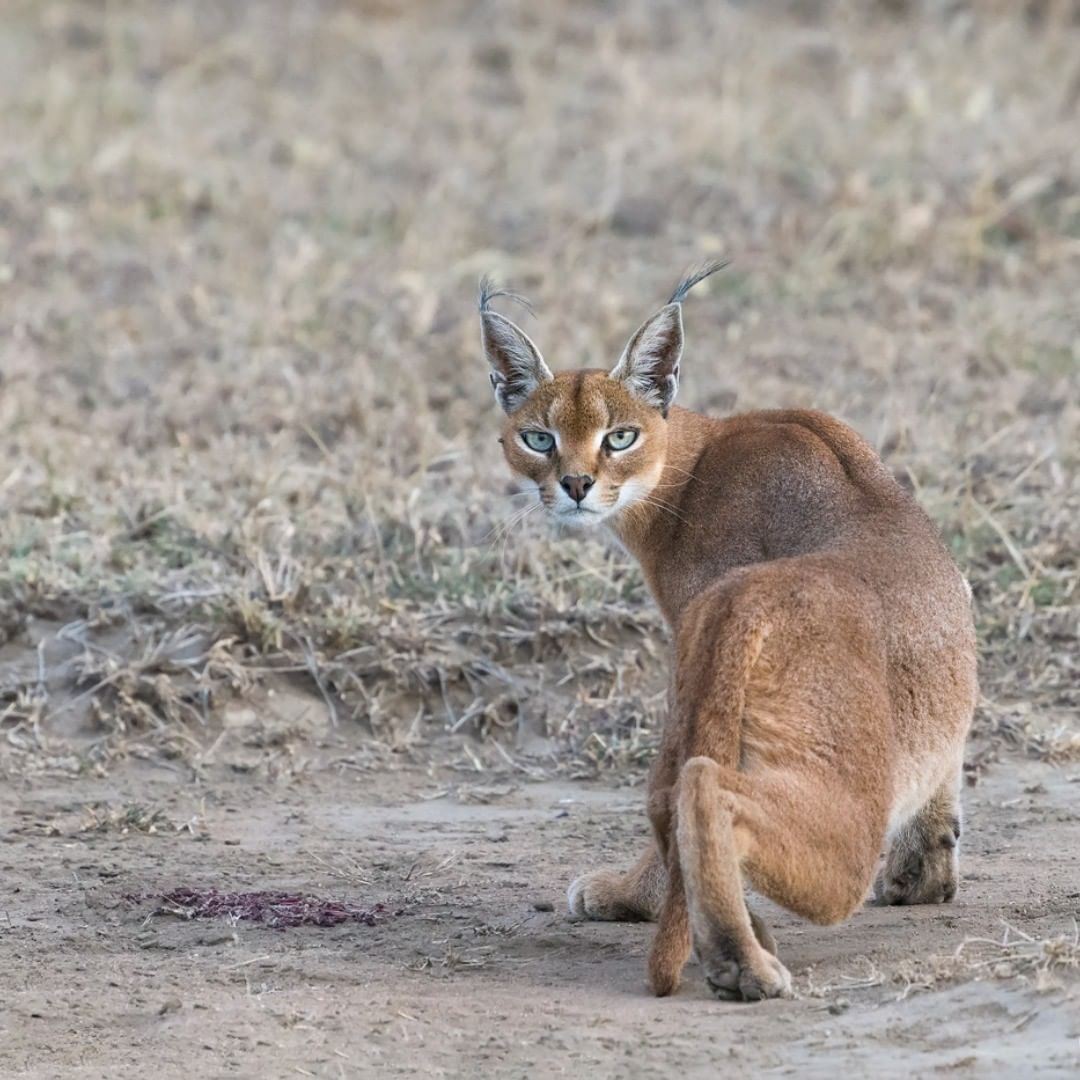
pixel 249 440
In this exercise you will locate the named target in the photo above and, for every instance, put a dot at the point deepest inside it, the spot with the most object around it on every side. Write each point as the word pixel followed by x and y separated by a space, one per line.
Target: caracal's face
pixel 591 444
pixel 586 446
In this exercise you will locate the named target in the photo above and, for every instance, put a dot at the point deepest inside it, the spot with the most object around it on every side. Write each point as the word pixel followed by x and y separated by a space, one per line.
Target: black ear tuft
pixel 489 291
pixel 695 277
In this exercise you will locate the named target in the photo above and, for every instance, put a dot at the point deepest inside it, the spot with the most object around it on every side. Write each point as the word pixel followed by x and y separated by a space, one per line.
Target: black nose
pixel 577 487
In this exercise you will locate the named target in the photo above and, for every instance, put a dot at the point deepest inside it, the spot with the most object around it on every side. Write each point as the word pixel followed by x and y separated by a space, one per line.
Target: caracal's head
pixel 590 443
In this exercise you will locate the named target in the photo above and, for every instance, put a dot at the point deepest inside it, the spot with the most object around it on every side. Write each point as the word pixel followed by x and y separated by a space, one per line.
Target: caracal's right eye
pixel 543 442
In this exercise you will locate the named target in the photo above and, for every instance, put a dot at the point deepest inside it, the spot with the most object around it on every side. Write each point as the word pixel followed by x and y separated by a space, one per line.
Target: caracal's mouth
pixel 580 516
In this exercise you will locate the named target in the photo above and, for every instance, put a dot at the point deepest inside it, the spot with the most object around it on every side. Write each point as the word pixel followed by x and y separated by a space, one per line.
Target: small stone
pixel 543 905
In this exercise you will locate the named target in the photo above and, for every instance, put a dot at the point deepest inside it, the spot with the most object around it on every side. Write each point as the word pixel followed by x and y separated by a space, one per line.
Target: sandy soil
pixel 476 975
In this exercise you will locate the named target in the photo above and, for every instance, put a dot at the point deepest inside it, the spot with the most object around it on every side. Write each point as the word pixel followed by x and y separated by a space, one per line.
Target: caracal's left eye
pixel 540 441
pixel 622 439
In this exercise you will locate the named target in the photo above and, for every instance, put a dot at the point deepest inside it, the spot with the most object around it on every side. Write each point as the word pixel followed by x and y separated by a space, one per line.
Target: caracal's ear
pixel 517 368
pixel 649 365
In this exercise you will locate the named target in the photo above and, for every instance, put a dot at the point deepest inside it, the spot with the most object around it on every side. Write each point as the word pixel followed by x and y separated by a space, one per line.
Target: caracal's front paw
pixel 600 895
pixel 751 978
pixel 920 876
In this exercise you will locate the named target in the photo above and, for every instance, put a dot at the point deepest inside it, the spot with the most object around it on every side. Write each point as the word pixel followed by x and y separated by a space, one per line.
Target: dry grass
pixel 248 431
pixel 1047 963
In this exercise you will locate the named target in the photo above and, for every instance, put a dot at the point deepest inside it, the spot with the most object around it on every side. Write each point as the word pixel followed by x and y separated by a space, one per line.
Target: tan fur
pixel 824 666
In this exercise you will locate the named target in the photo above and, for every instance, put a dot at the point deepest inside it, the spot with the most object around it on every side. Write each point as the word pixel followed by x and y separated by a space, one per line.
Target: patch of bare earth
pixel 272 625
pixel 476 968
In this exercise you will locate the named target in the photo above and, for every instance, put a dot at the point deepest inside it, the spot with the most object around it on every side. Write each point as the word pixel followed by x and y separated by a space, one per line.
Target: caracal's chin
pixel 580 517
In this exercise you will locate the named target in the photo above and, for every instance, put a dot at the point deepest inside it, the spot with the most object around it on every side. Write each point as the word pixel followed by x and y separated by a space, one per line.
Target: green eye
pixel 540 441
pixel 620 440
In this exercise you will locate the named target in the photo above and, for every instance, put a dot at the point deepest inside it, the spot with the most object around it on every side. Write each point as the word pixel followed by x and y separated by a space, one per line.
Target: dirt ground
pixel 270 618
pixel 471 972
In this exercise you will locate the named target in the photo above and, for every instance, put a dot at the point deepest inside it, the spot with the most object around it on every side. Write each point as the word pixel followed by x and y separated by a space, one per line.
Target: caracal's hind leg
pixel 634 896
pixel 921 864
pixel 736 965
pixel 673 944
pixel 799 840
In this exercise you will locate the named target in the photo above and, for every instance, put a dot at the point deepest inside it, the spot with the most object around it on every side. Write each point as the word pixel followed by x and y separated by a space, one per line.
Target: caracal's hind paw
pixel 741 980
pixel 925 875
